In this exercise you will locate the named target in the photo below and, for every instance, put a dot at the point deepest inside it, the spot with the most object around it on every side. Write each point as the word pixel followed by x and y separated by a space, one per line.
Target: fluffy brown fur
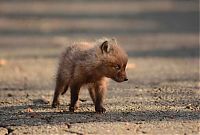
pixel 91 64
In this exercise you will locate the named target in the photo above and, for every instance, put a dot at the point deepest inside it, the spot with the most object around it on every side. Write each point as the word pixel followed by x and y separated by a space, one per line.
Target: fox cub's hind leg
pixel 74 105
pixel 61 87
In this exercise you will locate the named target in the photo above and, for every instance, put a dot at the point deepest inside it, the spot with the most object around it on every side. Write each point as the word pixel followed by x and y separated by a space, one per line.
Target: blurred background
pixel 161 34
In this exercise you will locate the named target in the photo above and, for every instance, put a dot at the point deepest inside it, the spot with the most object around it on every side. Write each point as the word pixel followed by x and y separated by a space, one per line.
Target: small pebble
pixel 9 95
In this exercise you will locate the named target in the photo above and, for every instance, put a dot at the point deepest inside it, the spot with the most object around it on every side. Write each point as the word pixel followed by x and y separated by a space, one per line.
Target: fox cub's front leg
pixel 97 92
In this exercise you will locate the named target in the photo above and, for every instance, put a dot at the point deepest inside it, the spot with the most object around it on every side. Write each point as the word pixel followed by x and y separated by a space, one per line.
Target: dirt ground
pixel 161 38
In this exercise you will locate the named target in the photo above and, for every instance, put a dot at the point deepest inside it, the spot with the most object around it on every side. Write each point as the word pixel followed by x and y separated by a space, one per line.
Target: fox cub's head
pixel 114 60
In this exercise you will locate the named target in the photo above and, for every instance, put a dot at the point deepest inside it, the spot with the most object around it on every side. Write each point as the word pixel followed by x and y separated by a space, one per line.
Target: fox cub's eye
pixel 117 67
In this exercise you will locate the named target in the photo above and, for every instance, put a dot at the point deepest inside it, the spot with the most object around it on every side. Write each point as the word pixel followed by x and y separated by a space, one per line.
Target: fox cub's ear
pixel 105 47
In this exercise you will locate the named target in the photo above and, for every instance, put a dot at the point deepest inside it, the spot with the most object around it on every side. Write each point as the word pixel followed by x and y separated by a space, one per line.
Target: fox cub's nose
pixel 125 79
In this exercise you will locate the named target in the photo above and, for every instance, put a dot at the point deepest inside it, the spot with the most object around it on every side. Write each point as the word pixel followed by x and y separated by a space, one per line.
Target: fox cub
pixel 90 64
